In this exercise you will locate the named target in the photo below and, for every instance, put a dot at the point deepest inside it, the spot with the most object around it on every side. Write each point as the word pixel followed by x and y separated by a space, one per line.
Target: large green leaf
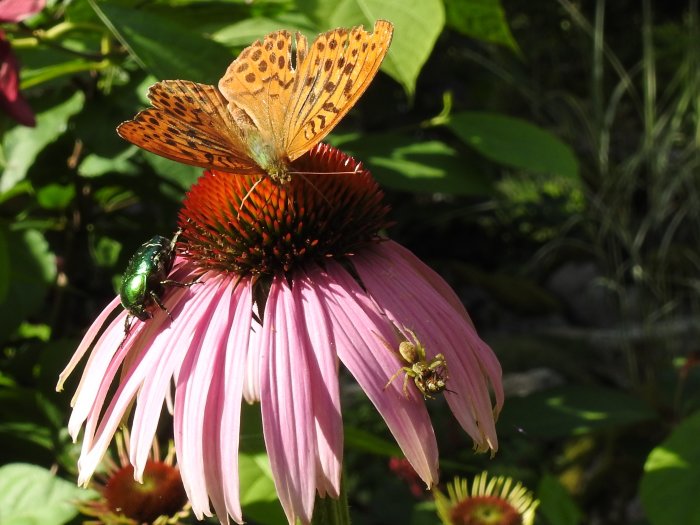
pixel 258 494
pixel 164 48
pixel 31 495
pixel 417 24
pixel 514 142
pixel 481 19
pixel 399 162
pixel 22 144
pixel 32 269
pixel 671 479
pixel 572 410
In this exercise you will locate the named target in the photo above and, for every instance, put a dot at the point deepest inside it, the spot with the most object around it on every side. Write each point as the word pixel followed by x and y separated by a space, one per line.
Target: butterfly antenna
pixel 308 181
pixel 248 194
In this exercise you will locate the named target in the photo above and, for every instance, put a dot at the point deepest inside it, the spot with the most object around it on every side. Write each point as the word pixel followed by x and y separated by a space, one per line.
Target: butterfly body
pixel 275 102
pixel 273 163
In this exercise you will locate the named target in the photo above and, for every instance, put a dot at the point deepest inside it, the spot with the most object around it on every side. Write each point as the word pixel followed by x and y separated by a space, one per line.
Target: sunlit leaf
pixel 95 165
pixel 514 142
pixel 417 24
pixel 31 495
pixel 258 493
pixel 672 476
pixel 22 144
pixel 431 166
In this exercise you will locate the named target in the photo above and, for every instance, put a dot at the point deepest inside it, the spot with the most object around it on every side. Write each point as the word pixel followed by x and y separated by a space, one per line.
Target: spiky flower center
pixel 485 510
pixel 161 493
pixel 252 225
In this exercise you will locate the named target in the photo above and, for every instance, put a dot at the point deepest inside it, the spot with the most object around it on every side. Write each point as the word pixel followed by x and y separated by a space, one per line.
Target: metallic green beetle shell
pixel 143 277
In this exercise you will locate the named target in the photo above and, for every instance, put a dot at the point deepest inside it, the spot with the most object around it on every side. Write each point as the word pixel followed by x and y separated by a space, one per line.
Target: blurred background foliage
pixel 542 156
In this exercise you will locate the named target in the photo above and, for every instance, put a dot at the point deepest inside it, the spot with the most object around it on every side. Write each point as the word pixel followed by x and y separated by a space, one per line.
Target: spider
pixel 429 376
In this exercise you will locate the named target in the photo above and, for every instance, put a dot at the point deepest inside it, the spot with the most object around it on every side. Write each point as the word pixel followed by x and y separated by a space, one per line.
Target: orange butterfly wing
pixel 260 84
pixel 190 123
pixel 337 71
pixel 295 100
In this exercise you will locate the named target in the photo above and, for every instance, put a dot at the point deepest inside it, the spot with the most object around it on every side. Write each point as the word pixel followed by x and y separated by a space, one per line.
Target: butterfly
pixel 271 106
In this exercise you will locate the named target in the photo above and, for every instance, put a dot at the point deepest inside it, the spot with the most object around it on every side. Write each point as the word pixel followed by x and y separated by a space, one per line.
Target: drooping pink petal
pixel 11 100
pixel 414 303
pixel 229 416
pixel 113 351
pixel 324 382
pixel 149 351
pixel 192 392
pixel 13 11
pixel 287 403
pixel 360 331
pixel 251 385
pixel 86 342
pixel 156 385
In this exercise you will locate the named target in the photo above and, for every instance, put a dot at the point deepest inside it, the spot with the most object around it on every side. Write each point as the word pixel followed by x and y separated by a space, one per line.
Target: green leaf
pixel 514 142
pixel 94 165
pixel 671 478
pixel 248 30
pixel 32 269
pixel 417 24
pixel 5 269
pixel 481 19
pixel 572 410
pixel 34 77
pixel 105 251
pixel 162 47
pixel 180 174
pixel 55 196
pixel 556 504
pixel 22 144
pixel 359 439
pixel 397 161
pixel 31 495
pixel 258 493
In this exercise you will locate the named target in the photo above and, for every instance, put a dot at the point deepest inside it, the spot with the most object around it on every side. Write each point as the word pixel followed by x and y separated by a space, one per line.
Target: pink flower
pixel 294 280
pixel 11 100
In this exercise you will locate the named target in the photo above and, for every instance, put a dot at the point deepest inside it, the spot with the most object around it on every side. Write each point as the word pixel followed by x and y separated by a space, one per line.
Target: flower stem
pixel 330 511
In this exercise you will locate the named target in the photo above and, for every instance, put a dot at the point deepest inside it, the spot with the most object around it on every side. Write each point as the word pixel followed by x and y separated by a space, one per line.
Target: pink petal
pixel 86 342
pixel 413 302
pixel 230 412
pixel 210 330
pixel 360 332
pixel 287 403
pixel 14 11
pixel 148 349
pixel 324 382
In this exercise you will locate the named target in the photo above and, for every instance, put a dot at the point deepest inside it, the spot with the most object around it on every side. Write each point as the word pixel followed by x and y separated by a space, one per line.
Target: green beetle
pixel 145 278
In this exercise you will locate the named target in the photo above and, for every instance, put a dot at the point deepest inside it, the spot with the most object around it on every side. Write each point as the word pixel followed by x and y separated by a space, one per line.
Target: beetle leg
pixel 160 304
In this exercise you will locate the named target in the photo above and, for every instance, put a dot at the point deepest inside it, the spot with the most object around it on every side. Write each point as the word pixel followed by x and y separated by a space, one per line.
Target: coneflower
pixel 293 279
